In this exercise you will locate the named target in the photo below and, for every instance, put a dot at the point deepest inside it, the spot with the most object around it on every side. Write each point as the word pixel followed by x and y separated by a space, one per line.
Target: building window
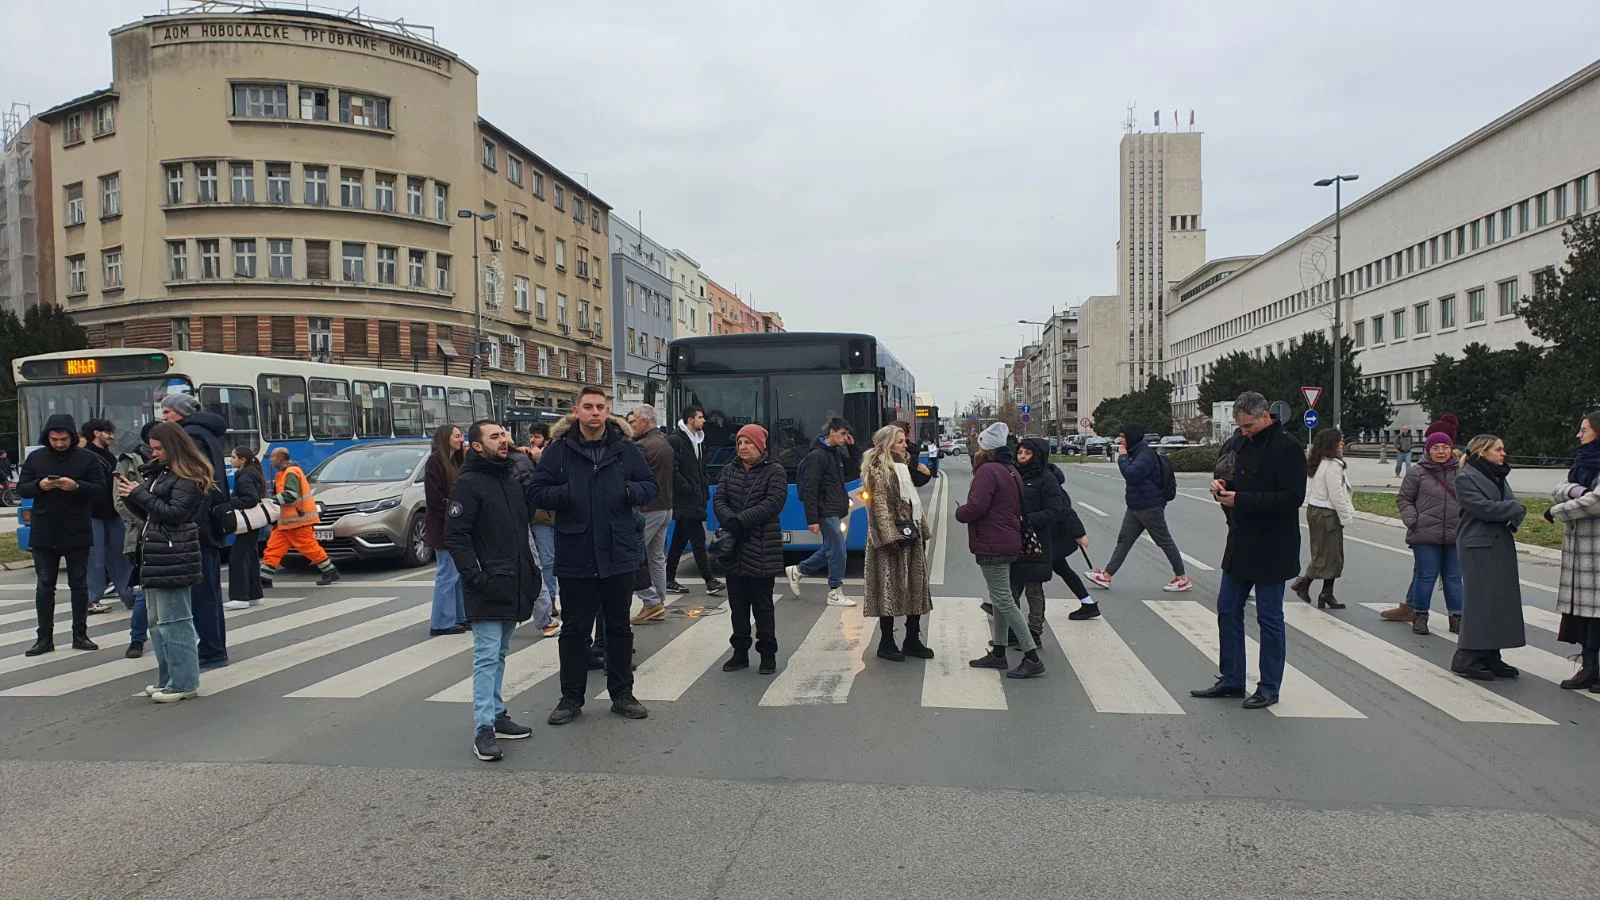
pixel 319 336
pixel 561 199
pixel 174 184
pixel 244 257
pixel 1541 204
pixel 561 310
pixel 246 336
pixel 1361 334
pixel 1447 312
pixel 277 183
pixel 1377 329
pixel 1475 311
pixel 350 188
pixel 519 231
pixel 178 260
pixel 210 258
pixel 1580 190
pixel 414 196
pixel 383 193
pixel 355 337
pixel 577 209
pixel 417 268
pixel 599 330
pixel 583 315
pixel 538 184
pixel 314 104
pixel 561 254
pixel 112 260
pixel 544 360
pixel 599 371
pixel 316 186
pixel 520 289
pixel 539 243
pixel 1399 319
pixel 111 195
pixel 491 287
pixel 583 262
pixel 205 182
pixel 355 261
pixel 281 331
pixel 318 262
pixel 493 361
pixel 694 320
pixel 1508 297
pixel 631 339
pixel 521 357
pixel 280 253
pixel 441 267
pixel 365 110
pixel 441 202
pixel 540 302
pixel 242 178
pixel 180 333
pixel 514 170
pixel 1491 231
pixel 565 373
pixel 388 264
pixel 258 101
pixel 75 204
pixel 488 154
pixel 77 282
pixel 389 339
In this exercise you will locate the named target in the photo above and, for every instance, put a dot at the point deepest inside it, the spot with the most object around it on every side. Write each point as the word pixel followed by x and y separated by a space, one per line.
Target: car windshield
pixel 373 464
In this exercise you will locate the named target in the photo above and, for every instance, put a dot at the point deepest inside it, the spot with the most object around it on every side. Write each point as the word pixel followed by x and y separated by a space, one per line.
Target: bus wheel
pixel 418 553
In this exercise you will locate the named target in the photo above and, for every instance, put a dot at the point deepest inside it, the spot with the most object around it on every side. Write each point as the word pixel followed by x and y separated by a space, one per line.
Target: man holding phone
pixel 63 480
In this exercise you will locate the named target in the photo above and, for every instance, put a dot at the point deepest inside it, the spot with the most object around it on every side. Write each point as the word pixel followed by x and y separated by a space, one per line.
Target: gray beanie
pixel 993 437
pixel 185 405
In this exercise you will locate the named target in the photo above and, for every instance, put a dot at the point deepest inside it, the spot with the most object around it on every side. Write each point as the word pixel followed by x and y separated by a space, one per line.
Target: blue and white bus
pixel 313 409
pixel 791 384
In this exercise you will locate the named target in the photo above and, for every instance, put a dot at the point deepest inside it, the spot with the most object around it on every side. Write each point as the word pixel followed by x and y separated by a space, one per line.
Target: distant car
pixel 1100 446
pixel 370 498
pixel 1174 440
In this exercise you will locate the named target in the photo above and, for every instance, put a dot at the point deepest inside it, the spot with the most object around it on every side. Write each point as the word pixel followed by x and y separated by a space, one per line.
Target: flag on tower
pixel 1158 118
pixel 1191 118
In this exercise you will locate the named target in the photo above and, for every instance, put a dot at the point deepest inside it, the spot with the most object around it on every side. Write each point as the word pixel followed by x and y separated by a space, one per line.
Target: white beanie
pixel 993 437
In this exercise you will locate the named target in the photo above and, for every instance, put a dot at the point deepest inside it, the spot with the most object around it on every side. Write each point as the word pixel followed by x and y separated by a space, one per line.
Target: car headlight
pixel 377 506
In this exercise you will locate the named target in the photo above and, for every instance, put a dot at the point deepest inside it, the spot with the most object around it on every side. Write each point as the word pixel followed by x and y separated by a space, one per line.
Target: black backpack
pixel 1169 477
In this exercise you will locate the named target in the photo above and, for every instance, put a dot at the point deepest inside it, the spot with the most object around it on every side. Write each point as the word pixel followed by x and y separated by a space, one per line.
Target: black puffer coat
pixel 1042 503
pixel 61 518
pixel 689 491
pixel 169 543
pixel 749 500
pixel 486 534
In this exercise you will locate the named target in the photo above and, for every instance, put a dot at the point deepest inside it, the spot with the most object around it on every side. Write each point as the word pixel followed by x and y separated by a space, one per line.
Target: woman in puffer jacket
pixel 993 516
pixel 1043 507
pixel 176 482
pixel 1428 506
pixel 750 495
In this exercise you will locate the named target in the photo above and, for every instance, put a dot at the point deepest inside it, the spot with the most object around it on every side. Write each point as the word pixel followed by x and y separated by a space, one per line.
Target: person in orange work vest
pixel 294 529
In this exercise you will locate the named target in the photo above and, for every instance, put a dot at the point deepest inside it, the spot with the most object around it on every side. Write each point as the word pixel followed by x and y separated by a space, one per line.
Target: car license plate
pixel 322 534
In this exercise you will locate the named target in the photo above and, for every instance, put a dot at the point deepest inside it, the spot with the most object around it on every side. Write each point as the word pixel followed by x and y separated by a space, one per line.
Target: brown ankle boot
pixel 1401 613
pixel 1302 588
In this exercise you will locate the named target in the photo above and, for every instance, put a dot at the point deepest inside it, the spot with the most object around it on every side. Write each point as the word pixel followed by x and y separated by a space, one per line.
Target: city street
pixel 332 758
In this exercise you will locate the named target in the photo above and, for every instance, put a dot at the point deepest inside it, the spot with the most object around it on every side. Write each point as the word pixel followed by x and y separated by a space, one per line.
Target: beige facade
pixel 1161 240
pixel 691 304
pixel 288 185
pixel 1102 334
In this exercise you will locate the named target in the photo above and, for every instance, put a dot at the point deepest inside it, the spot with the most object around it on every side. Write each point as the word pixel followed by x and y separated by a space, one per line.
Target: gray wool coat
pixel 1579 594
pixel 1491 616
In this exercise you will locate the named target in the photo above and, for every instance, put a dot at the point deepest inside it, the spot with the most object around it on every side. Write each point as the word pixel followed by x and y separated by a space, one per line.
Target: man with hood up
pixel 1144 471
pixel 207 430
pixel 63 480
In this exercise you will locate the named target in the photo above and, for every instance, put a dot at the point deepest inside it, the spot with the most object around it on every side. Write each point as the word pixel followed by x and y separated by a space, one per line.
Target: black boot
pixel 1325 600
pixel 1302 588
pixel 739 660
pixel 769 663
pixel 913 645
pixel 886 645
pixel 1588 673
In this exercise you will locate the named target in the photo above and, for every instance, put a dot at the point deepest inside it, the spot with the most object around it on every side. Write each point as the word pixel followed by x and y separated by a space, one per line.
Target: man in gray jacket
pixel 657 513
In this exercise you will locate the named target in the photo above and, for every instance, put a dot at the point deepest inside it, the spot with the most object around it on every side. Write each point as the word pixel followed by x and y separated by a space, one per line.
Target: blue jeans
pixel 490 643
pixel 831 556
pixel 107 565
pixel 1230 628
pixel 1429 562
pixel 544 542
pixel 173 639
pixel 543 603
pixel 139 625
pixel 1402 460
pixel 449 602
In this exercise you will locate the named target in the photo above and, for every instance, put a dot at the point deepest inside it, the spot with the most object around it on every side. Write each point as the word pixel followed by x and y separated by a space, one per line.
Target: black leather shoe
pixel 40 648
pixel 1260 700
pixel 453 629
pixel 83 643
pixel 1500 669
pixel 1217 690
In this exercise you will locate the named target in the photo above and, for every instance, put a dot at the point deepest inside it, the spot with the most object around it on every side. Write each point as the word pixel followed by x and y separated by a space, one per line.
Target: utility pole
pixel 477 289
pixel 1338 292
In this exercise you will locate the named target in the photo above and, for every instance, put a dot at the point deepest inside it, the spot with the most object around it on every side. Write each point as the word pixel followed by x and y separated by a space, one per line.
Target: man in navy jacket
pixel 591 477
pixel 1147 509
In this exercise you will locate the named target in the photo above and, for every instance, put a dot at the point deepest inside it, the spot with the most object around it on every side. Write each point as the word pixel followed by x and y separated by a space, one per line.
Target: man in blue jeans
pixel 1403 445
pixel 833 461
pixel 107 565
pixel 1263 551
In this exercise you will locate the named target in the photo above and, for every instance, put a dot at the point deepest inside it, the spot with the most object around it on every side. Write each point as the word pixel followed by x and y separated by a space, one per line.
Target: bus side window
pixel 330 409
pixel 482 406
pixel 283 407
pixel 372 410
pixel 434 412
pixel 458 408
pixel 238 406
pixel 407 410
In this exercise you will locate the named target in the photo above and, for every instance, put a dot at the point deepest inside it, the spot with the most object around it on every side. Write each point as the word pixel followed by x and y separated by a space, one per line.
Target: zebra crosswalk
pixel 1129 662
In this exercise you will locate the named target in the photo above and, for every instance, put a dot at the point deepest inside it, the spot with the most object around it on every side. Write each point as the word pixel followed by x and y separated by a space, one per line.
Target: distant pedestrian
pixel 993 516
pixel 1403 445
pixel 544 541
pixel 1577 507
pixel 593 477
pixel 931 450
pixel 896 566
pixel 486 534
pixel 1328 513
pixel 1491 615
pixel 129 462
pixel 658 455
pixel 1145 470
pixel 172 501
pixel 1044 506
pixel 1431 511
pixel 63 480
pixel 108 568
pixel 449 615
pixel 244 561
pixel 207 430
pixel 1263 550
pixel 751 492
pixel 7 467
pixel 834 461
pixel 690 496
pixel 296 528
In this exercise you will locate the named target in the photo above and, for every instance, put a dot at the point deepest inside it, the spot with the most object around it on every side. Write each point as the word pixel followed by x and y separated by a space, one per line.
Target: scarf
pixel 696 438
pixel 908 491
pixel 1586 468
pixel 1495 473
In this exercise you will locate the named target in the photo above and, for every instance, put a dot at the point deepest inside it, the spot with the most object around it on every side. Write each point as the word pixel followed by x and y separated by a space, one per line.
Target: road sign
pixel 1085 422
pixel 1026 409
pixel 1280 411
pixel 1026 418
pixel 1312 395
pixel 1311 418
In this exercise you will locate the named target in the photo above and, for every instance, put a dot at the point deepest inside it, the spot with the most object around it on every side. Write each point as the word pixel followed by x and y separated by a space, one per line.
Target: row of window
pixel 1421 315
pixel 104 122
pixel 316 185
pixel 314 262
pixel 639 345
pixel 297 408
pixel 110 199
pixel 270 100
pixel 514 174
pixel 540 246
pixel 110 272
pixel 534 298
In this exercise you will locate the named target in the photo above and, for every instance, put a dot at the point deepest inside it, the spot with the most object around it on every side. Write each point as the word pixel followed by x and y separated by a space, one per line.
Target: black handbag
pixel 908 533
pixel 722 547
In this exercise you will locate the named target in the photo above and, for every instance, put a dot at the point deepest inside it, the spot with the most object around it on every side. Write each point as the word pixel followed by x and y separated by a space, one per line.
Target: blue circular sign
pixel 1311 418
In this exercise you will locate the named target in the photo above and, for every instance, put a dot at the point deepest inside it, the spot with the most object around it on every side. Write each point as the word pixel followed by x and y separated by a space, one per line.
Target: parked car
pixel 370 499
pixel 1097 446
pixel 1174 440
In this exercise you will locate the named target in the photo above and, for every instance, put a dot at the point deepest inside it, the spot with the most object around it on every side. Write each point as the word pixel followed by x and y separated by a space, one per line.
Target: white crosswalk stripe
pixel 524 669
pixel 1202 566
pixel 673 669
pixel 825 664
pixel 956 632
pixel 1113 677
pixel 246 671
pixel 387 670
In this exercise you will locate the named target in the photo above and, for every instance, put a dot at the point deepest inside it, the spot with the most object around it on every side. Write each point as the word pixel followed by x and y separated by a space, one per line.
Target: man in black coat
pixel 207 430
pixel 690 494
pixel 1265 493
pixel 64 481
pixel 834 460
pixel 107 565
pixel 486 535
pixel 593 477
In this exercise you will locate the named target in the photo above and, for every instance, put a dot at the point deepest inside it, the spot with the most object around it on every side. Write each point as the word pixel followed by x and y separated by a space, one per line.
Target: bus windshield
pixel 129 405
pixel 793 407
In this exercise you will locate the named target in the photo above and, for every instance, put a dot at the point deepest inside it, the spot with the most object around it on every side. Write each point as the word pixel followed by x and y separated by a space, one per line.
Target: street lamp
pixel 1337 182
pixel 477 289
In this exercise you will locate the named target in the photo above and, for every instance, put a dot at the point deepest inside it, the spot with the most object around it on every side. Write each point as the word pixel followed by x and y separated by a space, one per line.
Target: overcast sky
pixel 932 172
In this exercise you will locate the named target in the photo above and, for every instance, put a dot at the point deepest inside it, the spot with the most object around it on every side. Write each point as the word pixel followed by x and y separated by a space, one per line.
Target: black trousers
pixel 46 569
pixel 244 568
pixel 582 599
pixel 690 532
pixel 752 595
pixel 1062 565
pixel 206 598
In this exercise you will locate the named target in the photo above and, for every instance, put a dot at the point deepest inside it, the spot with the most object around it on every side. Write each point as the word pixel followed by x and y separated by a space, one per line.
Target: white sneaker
pixel 836 597
pixel 173 696
pixel 236 604
pixel 794 579
pixel 150 690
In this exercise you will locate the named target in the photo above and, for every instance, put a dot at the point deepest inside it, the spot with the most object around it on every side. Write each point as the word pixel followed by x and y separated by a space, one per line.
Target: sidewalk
pixel 1369 474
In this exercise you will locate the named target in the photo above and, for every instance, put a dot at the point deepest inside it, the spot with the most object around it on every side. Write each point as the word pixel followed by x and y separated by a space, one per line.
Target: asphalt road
pixel 332 758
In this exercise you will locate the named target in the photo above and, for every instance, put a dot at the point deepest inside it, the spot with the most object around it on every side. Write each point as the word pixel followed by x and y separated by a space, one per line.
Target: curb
pixel 16 566
pixel 1525 549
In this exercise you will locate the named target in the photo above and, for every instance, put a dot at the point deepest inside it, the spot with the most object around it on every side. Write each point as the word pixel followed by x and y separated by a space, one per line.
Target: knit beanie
pixel 755 434
pixel 185 405
pixel 1437 438
pixel 993 437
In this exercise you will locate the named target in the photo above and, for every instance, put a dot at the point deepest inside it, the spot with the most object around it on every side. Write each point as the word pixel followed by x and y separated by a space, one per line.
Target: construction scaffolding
pixel 19 239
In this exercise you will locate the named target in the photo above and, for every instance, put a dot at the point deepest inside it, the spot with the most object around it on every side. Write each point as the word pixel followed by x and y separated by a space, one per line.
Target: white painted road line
pixel 824 666
pixel 941 536
pixel 1113 677
pixel 1186 557
pixel 384 671
pixel 957 632
pixel 1301 697
pixel 1094 509
pixel 256 667
pixel 673 669
pixel 1455 696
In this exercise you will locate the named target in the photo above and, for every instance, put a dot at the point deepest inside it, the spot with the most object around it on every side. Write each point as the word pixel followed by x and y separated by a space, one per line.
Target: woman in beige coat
pixel 897 540
pixel 1328 512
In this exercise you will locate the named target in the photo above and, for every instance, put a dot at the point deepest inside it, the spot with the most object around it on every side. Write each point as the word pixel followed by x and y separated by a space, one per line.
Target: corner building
pixel 288 184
